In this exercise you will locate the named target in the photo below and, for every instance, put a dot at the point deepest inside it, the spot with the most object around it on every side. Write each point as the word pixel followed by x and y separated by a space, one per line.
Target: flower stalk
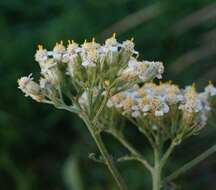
pixel 106 157
pixel 190 164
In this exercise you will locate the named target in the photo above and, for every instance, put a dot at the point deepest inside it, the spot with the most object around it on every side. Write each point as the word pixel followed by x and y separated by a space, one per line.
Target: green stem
pixel 106 157
pixel 68 108
pixel 191 164
pixel 100 109
pixel 156 176
pixel 167 154
pixel 135 154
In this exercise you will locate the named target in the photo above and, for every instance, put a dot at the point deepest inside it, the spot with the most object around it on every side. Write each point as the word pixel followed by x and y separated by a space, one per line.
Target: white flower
pixel 159 113
pixel 111 44
pixel 146 108
pixel 135 114
pixel 211 90
pixel 192 102
pixel 30 88
pixel 73 47
pixel 58 51
pixel 153 69
pixel 165 108
pixel 41 54
pixel 129 46
pixel 90 45
pixel 88 63
pixel 145 70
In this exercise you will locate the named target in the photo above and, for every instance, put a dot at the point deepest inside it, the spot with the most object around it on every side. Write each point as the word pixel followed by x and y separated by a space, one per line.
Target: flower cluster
pixel 110 67
pixel 112 74
pixel 152 100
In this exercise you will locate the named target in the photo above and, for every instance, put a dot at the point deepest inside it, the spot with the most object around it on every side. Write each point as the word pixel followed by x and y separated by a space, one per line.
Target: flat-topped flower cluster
pixel 152 100
pixel 113 71
pixel 113 65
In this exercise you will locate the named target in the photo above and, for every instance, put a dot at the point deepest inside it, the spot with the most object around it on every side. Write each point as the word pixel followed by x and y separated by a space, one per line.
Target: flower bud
pixel 30 88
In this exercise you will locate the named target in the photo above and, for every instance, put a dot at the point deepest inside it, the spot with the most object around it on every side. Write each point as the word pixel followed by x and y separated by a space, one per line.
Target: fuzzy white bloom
pixel 41 54
pixel 104 58
pixel 30 88
pixel 58 51
pixel 71 52
pixel 158 100
pixel 159 113
pixel 88 63
pixel 211 90
pixel 192 103
pixel 129 46
pixel 140 101
pixel 90 53
pixel 154 69
pixel 162 109
pixel 90 45
pixel 145 70
pixel 111 44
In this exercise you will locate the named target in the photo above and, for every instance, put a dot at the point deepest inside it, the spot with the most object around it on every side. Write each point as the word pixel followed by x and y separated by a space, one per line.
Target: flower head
pixel 58 51
pixel 41 54
pixel 96 71
pixel 30 88
pixel 210 89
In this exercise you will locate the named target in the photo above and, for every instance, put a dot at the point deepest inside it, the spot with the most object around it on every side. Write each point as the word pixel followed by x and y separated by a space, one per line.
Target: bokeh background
pixel 47 149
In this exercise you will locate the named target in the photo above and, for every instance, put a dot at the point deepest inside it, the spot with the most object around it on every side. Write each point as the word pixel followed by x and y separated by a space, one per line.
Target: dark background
pixel 47 149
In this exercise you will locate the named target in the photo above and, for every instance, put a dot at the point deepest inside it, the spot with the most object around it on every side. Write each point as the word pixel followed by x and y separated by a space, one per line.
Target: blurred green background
pixel 47 149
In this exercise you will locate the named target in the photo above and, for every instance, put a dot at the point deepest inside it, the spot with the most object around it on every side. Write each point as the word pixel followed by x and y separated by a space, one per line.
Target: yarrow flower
pixel 113 71
pixel 100 82
pixel 210 89
pixel 109 67
pixel 145 70
pixel 152 101
pixel 41 55
pixel 30 88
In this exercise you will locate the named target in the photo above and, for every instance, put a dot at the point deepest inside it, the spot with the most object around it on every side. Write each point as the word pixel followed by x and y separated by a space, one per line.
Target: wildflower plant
pixel 104 83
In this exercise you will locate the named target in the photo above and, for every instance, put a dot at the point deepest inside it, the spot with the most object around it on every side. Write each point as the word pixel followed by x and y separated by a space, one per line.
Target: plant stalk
pixel 106 157
pixel 191 164
pixel 156 176
pixel 135 154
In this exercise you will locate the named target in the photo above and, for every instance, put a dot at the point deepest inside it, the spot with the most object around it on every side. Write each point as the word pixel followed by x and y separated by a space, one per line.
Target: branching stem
pixel 191 164
pixel 135 154
pixel 106 157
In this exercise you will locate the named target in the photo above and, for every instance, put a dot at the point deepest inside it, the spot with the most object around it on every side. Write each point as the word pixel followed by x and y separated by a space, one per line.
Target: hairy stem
pixel 191 164
pixel 106 157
